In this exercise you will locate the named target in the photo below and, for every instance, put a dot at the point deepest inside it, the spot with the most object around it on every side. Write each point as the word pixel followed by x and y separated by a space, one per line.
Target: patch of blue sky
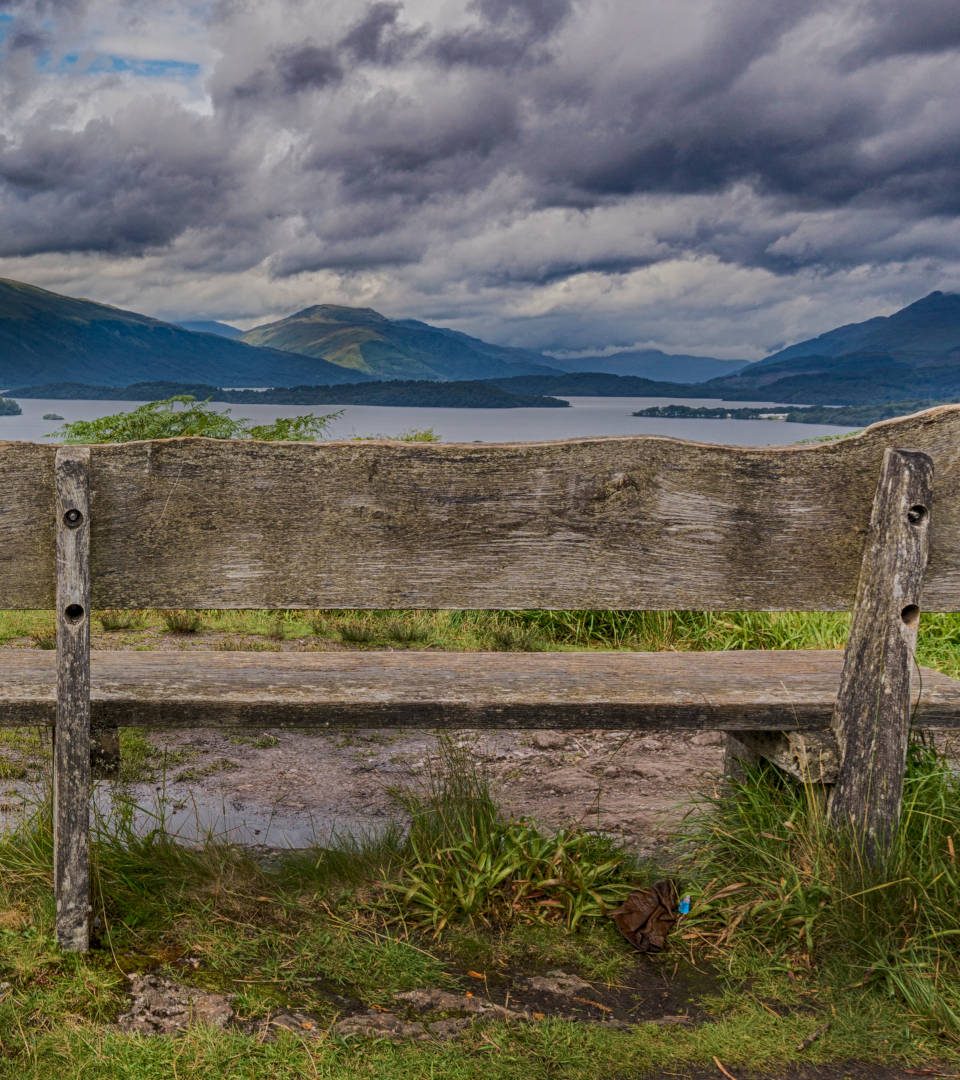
pixel 5 21
pixel 100 64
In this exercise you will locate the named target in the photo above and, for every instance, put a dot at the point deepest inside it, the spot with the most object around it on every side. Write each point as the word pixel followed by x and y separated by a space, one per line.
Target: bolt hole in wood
pixel 73 519
pixel 910 615
pixel 916 514
pixel 74 612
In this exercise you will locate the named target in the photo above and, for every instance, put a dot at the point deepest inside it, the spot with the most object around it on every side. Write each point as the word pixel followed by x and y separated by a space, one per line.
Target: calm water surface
pixel 587 416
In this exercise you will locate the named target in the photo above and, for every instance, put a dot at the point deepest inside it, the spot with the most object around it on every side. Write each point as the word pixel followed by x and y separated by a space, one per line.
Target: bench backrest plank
pixel 634 522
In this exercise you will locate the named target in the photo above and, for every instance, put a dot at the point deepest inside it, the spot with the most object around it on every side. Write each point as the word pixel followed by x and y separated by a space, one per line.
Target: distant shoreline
pixel 451 395
pixel 852 416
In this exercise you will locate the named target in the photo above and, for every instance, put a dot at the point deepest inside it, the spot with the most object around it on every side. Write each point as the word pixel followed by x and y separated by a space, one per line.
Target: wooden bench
pixel 626 523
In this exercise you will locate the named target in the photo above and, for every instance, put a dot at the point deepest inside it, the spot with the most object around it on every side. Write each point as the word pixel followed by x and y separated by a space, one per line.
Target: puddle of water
pixel 196 816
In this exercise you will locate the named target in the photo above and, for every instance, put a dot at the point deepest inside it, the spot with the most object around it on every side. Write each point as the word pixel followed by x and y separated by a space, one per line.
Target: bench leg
pixel 738 756
pixel 71 759
pixel 871 719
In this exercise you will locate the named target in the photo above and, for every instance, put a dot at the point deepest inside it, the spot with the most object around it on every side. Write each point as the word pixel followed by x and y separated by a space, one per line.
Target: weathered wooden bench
pixel 628 523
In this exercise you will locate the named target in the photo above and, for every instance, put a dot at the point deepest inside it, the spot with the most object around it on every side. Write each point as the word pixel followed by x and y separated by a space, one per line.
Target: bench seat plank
pixel 766 691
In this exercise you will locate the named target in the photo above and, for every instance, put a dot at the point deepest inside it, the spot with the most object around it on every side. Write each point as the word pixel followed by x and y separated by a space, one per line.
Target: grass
pixel 775 880
pixel 309 929
pixel 113 619
pixel 181 622
pixel 939 642
pixel 808 942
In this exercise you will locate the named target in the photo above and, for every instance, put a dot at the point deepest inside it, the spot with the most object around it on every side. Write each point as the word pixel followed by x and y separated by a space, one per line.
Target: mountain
pixel 653 364
pixel 45 337
pixel 912 354
pixel 209 326
pixel 595 384
pixel 924 330
pixel 361 340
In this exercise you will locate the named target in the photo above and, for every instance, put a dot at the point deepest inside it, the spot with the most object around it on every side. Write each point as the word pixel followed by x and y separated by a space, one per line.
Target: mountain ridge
pixel 912 353
pixel 49 337
pixel 653 364
pixel 362 340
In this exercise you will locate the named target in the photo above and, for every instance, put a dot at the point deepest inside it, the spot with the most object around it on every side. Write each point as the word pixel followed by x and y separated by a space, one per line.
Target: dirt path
pixel 292 784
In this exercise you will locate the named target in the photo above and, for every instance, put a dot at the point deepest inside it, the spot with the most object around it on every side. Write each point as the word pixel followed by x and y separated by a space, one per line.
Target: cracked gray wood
pixel 599 523
pixel 71 758
pixel 872 716
pixel 412 688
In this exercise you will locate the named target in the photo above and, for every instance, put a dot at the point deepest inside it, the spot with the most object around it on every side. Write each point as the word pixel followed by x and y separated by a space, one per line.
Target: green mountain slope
pixel 211 326
pixel 362 340
pixel 925 330
pixel 45 337
pixel 912 354
pixel 653 364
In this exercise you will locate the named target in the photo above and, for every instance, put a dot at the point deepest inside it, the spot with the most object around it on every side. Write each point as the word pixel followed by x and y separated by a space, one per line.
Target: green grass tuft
pixel 180 621
pixel 771 878
pixel 112 619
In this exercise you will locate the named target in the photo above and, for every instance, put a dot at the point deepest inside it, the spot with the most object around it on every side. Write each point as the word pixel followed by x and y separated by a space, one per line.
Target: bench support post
pixel 808 756
pixel 871 718
pixel 71 759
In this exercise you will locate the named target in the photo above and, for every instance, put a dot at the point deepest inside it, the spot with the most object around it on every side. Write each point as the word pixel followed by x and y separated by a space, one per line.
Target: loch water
pixel 586 416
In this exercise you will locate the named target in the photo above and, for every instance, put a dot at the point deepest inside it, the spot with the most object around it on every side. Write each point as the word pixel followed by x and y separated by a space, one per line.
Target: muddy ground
pixel 280 788
pixel 296 786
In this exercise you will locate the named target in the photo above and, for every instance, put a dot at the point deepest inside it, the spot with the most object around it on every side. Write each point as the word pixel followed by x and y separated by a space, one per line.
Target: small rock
pixel 297 1022
pixel 707 738
pixel 434 1000
pixel 549 740
pixel 559 983
pixel 390 1026
pixel 162 1007
pixel 611 772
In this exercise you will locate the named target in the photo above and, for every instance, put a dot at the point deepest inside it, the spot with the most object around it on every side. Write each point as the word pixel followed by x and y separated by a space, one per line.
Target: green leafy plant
pixel 463 862
pixel 182 415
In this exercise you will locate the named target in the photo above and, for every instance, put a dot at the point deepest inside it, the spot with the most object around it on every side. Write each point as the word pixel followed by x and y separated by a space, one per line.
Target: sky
pixel 720 177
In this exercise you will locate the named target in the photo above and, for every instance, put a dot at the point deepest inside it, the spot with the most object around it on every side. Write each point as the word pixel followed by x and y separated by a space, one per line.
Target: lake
pixel 587 416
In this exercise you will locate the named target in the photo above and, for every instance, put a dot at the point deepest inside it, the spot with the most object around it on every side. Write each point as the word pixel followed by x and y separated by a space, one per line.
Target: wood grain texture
pixel 872 715
pixel 410 688
pixel 27 525
pixel 594 523
pixel 71 742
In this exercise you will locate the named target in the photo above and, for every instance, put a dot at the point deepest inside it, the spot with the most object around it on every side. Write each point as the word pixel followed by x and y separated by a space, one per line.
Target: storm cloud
pixel 565 174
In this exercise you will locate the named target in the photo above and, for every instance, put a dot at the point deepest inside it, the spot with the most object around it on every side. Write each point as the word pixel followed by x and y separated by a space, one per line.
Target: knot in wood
pixel 617 482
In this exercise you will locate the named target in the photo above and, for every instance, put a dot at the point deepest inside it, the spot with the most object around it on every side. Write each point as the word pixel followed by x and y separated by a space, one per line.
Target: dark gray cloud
pixel 509 32
pixel 898 29
pixel 379 36
pixel 539 16
pixel 117 186
pixel 307 67
pixel 564 168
